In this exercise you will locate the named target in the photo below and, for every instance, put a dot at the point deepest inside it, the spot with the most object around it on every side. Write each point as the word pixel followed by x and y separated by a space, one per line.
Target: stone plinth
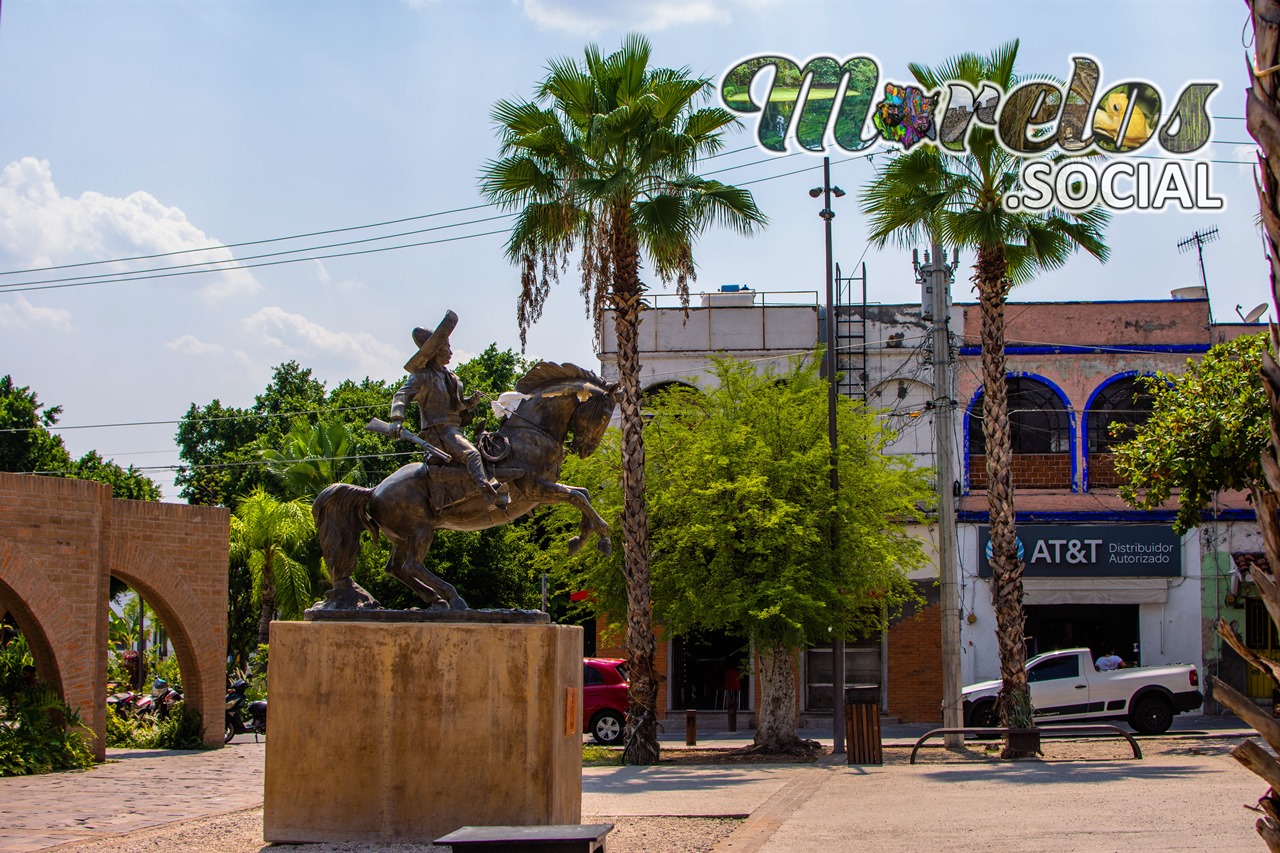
pixel 406 732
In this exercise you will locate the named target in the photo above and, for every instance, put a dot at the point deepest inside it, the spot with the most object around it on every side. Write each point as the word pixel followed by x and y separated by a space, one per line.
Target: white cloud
pixel 587 17
pixel 191 345
pixel 41 227
pixel 296 334
pixel 18 313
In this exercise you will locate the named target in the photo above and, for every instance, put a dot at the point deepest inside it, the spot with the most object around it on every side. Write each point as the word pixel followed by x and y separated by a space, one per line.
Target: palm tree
pixel 313 456
pixel 602 159
pixel 269 534
pixel 1262 115
pixel 926 195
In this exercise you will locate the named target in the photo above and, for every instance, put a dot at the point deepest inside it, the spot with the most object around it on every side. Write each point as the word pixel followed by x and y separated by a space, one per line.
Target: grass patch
pixel 594 755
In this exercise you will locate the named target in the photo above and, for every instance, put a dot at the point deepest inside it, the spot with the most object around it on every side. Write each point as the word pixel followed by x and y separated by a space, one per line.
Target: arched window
pixel 1124 401
pixel 1038 421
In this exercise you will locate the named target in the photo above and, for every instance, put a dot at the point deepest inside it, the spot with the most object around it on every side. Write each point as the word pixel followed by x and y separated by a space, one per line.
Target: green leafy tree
pixel 27 445
pixel 957 199
pixel 127 483
pixel 1206 434
pixel 220 445
pixel 268 535
pixel 742 519
pixel 602 159
pixel 25 442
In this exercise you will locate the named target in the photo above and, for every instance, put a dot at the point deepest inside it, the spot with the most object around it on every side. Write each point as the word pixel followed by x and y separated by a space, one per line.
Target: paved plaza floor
pixel 1186 794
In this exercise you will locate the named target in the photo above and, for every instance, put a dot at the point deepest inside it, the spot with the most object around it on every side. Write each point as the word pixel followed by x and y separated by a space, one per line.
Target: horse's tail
pixel 341 513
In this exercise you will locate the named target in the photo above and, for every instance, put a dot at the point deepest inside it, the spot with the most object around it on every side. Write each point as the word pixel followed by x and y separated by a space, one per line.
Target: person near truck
pixel 1110 661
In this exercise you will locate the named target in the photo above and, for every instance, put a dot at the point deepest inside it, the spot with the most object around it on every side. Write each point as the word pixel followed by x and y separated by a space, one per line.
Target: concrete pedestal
pixel 408 731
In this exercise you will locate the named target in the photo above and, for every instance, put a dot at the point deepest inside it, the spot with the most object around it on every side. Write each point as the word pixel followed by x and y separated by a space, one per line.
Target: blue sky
pixel 130 128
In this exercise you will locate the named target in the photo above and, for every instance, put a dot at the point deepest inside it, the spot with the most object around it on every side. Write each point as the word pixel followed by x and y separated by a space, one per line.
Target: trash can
pixel 862 724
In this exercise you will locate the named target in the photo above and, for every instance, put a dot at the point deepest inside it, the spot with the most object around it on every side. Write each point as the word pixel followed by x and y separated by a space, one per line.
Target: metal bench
pixel 1061 732
pixel 573 838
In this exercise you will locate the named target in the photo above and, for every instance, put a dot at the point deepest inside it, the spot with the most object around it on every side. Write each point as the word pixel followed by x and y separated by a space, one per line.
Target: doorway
pixel 1099 627
pixel 710 671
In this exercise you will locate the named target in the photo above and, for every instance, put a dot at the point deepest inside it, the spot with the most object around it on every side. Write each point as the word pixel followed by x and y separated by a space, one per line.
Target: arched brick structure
pixel 62 540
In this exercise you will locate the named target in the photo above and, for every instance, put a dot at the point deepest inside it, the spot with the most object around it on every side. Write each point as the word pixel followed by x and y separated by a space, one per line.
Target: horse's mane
pixel 546 373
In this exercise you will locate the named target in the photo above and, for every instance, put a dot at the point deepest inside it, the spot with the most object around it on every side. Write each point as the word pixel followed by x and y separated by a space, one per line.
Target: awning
pixel 1095 590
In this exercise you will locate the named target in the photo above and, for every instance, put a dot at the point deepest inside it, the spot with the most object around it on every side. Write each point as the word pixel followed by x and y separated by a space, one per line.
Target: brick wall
pixel 1102 471
pixel 915 667
pixel 1030 471
pixel 61 540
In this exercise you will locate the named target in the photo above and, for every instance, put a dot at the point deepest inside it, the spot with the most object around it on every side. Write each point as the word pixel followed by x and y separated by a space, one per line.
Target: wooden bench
pixel 575 838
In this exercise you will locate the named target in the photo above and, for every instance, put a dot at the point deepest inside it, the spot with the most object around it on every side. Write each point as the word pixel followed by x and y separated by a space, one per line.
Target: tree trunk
pixel 1262 116
pixel 268 609
pixel 1015 700
pixel 640 741
pixel 776 718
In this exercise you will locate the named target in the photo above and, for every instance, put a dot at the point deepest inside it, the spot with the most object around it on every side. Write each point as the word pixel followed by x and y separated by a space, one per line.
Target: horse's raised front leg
pixel 548 491
pixel 406 566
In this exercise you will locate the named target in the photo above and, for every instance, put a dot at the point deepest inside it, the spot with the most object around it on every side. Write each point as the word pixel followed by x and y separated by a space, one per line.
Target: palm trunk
pixel 640 742
pixel 1006 570
pixel 268 608
pixel 1262 115
pixel 776 719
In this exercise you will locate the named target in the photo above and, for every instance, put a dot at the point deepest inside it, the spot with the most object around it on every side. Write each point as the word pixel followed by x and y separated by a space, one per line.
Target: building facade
pixel 1099 573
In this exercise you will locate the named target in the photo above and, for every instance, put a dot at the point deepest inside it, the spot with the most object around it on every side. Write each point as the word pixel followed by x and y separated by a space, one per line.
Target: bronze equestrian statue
pixel 454 489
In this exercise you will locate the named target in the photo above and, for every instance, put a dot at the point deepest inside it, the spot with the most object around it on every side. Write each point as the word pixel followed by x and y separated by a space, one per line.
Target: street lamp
pixel 837 641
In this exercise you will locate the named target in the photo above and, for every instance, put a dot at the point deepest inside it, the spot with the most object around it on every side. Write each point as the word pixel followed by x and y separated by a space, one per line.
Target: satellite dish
pixel 1253 315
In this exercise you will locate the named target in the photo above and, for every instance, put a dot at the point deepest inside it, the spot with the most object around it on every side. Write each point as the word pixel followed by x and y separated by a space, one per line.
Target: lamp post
pixel 837 640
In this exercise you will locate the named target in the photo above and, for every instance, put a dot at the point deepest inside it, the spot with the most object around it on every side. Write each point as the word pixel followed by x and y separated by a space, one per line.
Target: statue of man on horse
pixel 563 408
pixel 442 410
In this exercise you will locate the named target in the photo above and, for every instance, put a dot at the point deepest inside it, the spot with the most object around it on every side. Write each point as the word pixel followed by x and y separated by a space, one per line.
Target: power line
pixel 22 289
pixel 237 263
pixel 247 242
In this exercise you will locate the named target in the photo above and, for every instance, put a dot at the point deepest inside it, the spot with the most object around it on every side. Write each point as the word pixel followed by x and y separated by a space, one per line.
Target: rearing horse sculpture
pixel 563 400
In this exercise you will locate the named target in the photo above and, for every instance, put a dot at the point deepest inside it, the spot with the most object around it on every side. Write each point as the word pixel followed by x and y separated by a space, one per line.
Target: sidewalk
pixel 1189 799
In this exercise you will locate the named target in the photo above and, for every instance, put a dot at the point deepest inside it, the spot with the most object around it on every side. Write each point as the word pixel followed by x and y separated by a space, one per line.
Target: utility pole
pixel 939 274
pixel 837 639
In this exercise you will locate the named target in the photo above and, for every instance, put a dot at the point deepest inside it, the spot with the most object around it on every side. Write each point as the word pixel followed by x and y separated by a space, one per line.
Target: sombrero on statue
pixel 429 342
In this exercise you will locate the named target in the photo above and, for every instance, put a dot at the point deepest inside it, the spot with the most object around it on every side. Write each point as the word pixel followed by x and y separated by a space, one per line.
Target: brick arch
pixel 44 618
pixel 60 541
pixel 184 620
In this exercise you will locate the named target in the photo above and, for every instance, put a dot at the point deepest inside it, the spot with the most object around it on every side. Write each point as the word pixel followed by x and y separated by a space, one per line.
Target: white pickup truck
pixel 1065 685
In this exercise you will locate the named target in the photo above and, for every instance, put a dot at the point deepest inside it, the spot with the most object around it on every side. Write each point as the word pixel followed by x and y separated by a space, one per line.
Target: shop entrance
pixel 1099 627
pixel 710 671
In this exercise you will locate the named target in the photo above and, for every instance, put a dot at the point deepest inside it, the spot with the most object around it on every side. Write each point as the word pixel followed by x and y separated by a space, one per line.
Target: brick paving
pixel 133 790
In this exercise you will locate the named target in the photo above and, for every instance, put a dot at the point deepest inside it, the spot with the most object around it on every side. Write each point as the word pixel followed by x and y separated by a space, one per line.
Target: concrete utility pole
pixel 944 440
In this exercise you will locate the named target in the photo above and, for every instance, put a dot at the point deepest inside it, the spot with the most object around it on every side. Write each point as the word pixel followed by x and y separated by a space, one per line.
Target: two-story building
pixel 1099 573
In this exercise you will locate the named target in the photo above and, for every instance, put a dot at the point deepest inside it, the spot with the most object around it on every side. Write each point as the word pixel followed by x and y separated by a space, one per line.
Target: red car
pixel 604 699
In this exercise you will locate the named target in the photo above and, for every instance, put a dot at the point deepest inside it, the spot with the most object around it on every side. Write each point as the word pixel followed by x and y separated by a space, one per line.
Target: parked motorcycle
pixel 163 698
pixel 242 719
pixel 123 703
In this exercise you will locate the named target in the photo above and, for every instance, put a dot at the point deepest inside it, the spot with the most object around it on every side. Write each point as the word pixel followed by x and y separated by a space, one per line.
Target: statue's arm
pixel 402 397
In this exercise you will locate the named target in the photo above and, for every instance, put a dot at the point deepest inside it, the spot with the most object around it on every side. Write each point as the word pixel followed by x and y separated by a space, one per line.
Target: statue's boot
pixel 487 486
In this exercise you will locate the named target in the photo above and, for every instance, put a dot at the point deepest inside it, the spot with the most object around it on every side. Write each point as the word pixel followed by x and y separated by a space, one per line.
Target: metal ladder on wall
pixel 851 334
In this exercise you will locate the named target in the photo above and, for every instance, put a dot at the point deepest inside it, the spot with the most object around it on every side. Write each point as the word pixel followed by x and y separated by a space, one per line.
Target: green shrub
pixel 38 731
pixel 181 729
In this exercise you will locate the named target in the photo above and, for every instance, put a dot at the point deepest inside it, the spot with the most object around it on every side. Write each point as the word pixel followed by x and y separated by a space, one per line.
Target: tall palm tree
pixel 602 158
pixel 269 534
pixel 926 194
pixel 1262 116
